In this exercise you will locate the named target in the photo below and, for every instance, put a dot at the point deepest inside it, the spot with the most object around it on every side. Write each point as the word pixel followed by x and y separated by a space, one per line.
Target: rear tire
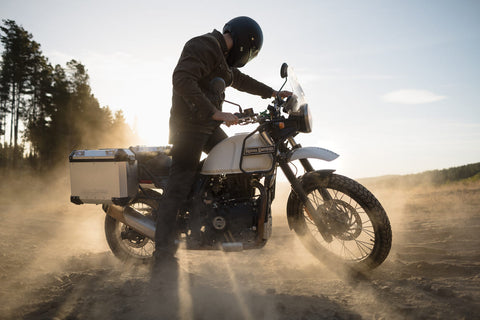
pixel 358 231
pixel 127 244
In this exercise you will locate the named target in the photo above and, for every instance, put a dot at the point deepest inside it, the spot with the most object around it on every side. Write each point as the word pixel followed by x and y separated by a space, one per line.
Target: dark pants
pixel 186 152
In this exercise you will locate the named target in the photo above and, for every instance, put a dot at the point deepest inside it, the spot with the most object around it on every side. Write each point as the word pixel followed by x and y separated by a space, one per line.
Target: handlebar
pixel 244 120
pixel 248 116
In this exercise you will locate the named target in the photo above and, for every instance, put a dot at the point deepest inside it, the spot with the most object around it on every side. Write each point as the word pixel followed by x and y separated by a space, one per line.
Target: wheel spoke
pixel 316 198
pixel 364 247
pixel 347 250
pixel 370 233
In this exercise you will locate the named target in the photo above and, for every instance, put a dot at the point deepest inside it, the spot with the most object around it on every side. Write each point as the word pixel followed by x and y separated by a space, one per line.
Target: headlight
pixel 302 118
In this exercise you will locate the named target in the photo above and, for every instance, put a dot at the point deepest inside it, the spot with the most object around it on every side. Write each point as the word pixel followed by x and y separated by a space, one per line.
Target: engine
pixel 227 213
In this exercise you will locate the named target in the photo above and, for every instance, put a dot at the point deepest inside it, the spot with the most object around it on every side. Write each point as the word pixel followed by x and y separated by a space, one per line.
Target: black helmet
pixel 247 40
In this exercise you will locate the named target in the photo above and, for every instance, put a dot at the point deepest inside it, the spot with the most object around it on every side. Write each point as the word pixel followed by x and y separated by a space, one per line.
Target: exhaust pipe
pixel 133 219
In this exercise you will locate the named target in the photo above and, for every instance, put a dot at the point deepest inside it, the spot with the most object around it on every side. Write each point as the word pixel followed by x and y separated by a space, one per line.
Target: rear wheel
pixel 350 225
pixel 127 244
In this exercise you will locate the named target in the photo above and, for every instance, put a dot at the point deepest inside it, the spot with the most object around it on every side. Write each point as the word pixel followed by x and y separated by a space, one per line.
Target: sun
pixel 152 130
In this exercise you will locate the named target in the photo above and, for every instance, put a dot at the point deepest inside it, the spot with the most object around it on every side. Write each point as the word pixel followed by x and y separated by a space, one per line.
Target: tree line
pixel 47 111
pixel 465 173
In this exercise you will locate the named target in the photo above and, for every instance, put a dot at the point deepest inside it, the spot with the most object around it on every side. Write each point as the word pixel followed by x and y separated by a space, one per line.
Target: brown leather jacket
pixel 202 59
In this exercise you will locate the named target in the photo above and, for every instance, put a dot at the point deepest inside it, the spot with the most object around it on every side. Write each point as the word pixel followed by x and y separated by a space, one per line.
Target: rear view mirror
pixel 284 70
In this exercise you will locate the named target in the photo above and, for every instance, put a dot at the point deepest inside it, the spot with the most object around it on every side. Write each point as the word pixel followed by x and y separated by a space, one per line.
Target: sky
pixel 394 86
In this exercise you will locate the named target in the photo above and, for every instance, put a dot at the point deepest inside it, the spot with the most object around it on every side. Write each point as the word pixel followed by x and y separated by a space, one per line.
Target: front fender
pixel 312 152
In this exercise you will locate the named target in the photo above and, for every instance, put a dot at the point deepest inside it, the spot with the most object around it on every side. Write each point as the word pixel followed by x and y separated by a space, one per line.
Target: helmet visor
pixel 253 52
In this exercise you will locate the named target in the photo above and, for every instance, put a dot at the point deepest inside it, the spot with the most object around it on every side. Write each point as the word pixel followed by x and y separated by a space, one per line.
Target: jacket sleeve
pixel 246 83
pixel 197 61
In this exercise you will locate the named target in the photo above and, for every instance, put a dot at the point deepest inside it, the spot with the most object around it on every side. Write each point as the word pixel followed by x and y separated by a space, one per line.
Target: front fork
pixel 308 168
pixel 297 187
pixel 315 215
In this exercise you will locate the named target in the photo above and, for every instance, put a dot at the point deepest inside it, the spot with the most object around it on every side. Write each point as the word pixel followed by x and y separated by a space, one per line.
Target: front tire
pixel 355 227
pixel 127 244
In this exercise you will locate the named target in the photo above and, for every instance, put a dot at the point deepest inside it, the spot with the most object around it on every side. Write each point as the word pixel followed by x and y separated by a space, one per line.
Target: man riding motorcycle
pixel 196 115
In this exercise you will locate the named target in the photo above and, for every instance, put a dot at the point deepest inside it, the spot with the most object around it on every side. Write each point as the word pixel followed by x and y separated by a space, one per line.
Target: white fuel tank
pixel 224 158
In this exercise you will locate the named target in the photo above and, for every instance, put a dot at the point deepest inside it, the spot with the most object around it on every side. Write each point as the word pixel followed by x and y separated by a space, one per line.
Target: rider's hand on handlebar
pixel 281 94
pixel 227 117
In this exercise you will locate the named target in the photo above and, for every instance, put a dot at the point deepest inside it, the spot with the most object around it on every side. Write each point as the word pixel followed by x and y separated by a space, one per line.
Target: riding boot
pixel 165 268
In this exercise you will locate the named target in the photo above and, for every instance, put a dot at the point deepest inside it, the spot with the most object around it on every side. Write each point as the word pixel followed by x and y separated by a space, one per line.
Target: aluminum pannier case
pixel 103 176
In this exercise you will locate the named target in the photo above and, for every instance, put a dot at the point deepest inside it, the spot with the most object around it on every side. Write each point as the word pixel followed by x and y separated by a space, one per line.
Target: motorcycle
pixel 230 204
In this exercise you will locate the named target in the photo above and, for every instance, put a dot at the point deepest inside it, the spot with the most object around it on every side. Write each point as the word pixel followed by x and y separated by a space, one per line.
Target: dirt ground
pixel 55 264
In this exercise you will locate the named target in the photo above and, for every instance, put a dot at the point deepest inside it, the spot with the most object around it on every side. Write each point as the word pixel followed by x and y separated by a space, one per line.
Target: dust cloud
pixel 55 264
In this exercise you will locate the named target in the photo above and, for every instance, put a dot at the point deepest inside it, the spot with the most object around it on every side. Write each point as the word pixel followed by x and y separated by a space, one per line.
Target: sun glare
pixel 153 129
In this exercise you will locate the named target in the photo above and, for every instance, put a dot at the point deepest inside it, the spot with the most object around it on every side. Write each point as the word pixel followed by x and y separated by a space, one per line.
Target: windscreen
pixel 297 90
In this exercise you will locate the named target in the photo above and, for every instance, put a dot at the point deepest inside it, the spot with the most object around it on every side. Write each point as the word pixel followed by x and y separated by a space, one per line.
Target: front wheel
pixel 350 224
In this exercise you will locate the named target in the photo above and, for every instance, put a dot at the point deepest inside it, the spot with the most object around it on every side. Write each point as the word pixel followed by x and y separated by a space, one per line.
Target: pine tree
pixel 21 64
